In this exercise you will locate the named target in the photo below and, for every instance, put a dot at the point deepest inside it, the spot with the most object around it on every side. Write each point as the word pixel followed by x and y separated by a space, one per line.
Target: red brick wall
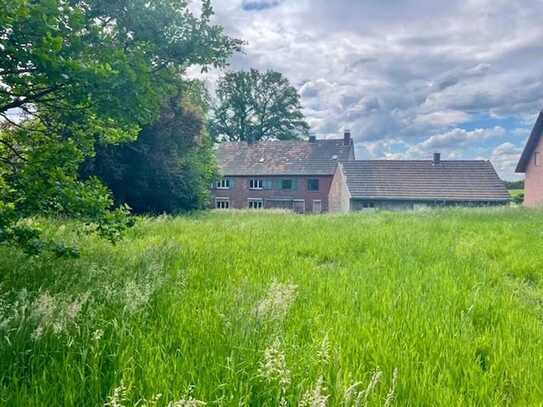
pixel 240 193
pixel 534 179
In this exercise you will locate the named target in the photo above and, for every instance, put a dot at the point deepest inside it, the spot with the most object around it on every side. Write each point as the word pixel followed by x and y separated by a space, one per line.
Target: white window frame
pixel 223 183
pixel 256 184
pixel 224 201
pixel 255 203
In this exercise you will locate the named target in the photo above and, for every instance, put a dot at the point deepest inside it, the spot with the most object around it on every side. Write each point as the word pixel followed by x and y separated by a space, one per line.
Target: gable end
pixel 532 143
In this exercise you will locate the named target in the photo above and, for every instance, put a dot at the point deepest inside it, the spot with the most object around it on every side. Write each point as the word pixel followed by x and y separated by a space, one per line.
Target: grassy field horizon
pixel 440 307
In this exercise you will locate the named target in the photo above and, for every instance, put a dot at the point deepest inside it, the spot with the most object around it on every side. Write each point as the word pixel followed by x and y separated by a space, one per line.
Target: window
pixel 368 205
pixel 256 203
pixel 537 159
pixel 223 184
pixel 222 203
pixel 256 184
pixel 286 184
pixel 313 185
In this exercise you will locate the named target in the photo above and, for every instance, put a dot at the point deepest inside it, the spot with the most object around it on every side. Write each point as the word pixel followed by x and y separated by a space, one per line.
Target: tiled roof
pixel 422 180
pixel 532 143
pixel 282 157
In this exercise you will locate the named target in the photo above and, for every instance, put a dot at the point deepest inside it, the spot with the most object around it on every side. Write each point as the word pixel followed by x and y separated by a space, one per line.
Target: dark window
pixel 313 185
pixel 222 204
pixel 256 203
pixel 287 184
pixel 368 205
pixel 537 159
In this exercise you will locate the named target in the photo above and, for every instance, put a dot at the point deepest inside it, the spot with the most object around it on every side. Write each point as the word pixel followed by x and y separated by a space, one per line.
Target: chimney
pixel 437 158
pixel 251 139
pixel 312 139
pixel 347 137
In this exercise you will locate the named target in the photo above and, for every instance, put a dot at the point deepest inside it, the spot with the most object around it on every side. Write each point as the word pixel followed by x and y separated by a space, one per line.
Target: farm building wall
pixel 405 205
pixel 339 198
pixel 534 178
pixel 299 199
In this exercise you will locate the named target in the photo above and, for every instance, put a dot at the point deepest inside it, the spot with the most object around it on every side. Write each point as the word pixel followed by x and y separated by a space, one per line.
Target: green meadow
pixel 436 308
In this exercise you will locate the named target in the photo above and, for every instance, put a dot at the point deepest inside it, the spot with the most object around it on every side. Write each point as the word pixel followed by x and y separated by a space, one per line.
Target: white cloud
pixel 404 76
pixel 505 159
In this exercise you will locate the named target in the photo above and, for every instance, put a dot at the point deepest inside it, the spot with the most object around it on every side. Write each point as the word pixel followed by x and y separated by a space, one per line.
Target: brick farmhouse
pixel 324 176
pixel 531 164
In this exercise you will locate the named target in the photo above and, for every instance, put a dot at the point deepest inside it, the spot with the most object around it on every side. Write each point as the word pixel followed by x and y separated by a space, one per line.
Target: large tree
pixel 253 106
pixel 74 73
pixel 170 165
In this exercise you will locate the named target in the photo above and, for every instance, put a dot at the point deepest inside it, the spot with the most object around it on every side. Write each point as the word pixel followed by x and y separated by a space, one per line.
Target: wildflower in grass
pixel 323 354
pixel 273 367
pixel 97 335
pixel 392 391
pixel 315 397
pixel 118 396
pixel 355 397
pixel 190 402
pixel 55 314
pixel 374 381
pixel 351 394
pixel 136 296
pixel 277 301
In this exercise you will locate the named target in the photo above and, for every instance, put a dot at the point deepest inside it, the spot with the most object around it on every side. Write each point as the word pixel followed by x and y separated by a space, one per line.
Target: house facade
pixel 531 164
pixel 323 176
pixel 295 175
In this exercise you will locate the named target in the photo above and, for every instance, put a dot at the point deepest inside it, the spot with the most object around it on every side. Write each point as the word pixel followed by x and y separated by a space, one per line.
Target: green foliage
pixel 238 308
pixel 76 73
pixel 171 164
pixel 514 184
pixel 253 106
pixel 517 196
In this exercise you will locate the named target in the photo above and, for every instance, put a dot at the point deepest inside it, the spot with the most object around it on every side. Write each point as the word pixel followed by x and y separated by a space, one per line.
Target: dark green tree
pixel 253 106
pixel 170 165
pixel 77 73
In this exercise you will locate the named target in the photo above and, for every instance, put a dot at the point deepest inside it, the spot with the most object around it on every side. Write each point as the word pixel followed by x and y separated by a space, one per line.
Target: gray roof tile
pixel 282 157
pixel 422 180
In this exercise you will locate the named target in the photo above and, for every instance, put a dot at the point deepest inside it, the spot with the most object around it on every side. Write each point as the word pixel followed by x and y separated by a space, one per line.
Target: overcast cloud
pixel 407 77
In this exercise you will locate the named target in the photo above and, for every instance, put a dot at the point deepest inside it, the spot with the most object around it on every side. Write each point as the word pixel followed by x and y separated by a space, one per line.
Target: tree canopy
pixel 253 106
pixel 170 165
pixel 74 73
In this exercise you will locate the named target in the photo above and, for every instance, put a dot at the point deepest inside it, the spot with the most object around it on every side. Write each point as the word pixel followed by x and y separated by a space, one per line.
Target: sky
pixel 408 78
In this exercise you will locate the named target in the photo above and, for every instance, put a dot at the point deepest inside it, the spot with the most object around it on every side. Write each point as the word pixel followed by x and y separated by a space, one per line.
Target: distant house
pixel 403 184
pixel 531 164
pixel 323 176
pixel 294 174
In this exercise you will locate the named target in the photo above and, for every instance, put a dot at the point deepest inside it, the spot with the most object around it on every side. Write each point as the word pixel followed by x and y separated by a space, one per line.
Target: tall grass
pixel 434 308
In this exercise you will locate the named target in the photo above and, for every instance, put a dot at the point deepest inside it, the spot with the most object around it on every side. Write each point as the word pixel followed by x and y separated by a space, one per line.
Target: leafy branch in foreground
pixel 75 74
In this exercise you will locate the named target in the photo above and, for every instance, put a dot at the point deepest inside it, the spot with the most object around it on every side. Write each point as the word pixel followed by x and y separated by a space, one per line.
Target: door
pixel 317 206
pixel 299 206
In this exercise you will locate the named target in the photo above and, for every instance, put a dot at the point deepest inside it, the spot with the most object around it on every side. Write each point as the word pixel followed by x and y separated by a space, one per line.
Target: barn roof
pixel 424 180
pixel 319 157
pixel 532 143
